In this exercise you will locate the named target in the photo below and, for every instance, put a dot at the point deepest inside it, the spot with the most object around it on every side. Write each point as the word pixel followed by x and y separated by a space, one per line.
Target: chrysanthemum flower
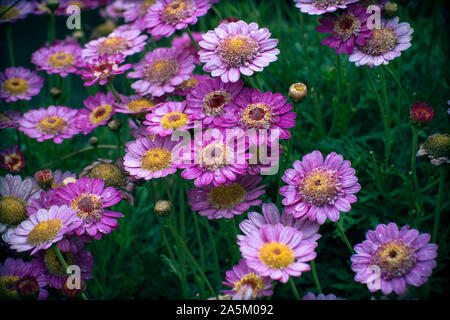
pixel 277 252
pixel 321 6
pixel 12 160
pixel 135 14
pixel 237 47
pixel 62 57
pixel 402 257
pixel 83 5
pixel 102 68
pixel 166 16
pixel 151 158
pixel 124 43
pixel 89 199
pixel 117 9
pixel 212 158
pixel 319 189
pixel 73 253
pixel 421 114
pixel 14 272
pixel 19 84
pixel 9 119
pixel 55 122
pixel 99 109
pixel 246 284
pixel 161 71
pixel 15 197
pixel 168 117
pixel 320 296
pixel 138 105
pixel 184 42
pixel 385 44
pixel 226 201
pixel 19 11
pixel 44 228
pixel 208 100
pixel 190 84
pixel 348 29
pixel 437 148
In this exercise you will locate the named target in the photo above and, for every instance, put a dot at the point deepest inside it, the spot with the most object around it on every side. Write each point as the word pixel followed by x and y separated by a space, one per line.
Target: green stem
pixel 217 12
pixel 199 241
pixel 294 289
pixel 418 197
pixel 197 47
pixel 399 84
pixel 214 249
pixel 52 31
pixel 336 105
pixel 111 88
pixel 316 278
pixel 437 213
pixel 10 44
pixel 344 238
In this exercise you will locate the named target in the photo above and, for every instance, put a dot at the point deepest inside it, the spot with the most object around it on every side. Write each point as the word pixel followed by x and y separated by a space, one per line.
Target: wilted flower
pixel 437 148
pixel 421 114
pixel 12 160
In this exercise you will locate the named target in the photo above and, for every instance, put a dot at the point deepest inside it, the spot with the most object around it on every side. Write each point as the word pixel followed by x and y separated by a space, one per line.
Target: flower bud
pixel 28 288
pixel 68 180
pixel 114 125
pixel 421 114
pixel 162 208
pixel 93 141
pixel 44 178
pixel 55 93
pixel 78 34
pixel 297 92
pixel 390 9
pixel 73 293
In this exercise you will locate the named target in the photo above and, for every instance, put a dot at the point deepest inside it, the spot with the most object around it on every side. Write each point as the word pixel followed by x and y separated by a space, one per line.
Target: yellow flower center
pixel 395 258
pixel 276 255
pixel 61 60
pixel 44 231
pixel 188 84
pixel 54 266
pixel 156 159
pixel 88 207
pixel 8 287
pixel 320 186
pixel 113 45
pixel 144 7
pixel 100 113
pixel 174 120
pixel 13 162
pixel 16 86
pixel 226 197
pixel 108 172
pixel 382 41
pixel 13 210
pixel 257 115
pixel 214 102
pixel 51 125
pixel 177 10
pixel 140 105
pixel 11 14
pixel 251 279
pixel 238 50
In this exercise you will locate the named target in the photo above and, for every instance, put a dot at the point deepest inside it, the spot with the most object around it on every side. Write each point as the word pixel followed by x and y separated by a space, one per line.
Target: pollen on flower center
pixel 174 120
pixel 161 70
pixel 257 115
pixel 88 207
pixel 177 10
pixel 13 162
pixel 347 25
pixel 108 172
pixel 140 104
pixel 143 8
pixel 382 41
pixel 156 159
pixel 13 210
pixel 252 280
pixel 16 86
pixel 44 231
pixel 214 102
pixel 214 156
pixel 438 145
pixel 51 124
pixel 320 186
pixel 54 266
pixel 8 287
pixel 238 50
pixel 226 197
pixel 113 45
pixel 100 113
pixel 188 84
pixel 276 255
pixel 395 258
pixel 61 60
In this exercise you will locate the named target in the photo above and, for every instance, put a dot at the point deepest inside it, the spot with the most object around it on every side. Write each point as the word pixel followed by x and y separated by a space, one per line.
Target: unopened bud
pixel 114 125
pixel 73 293
pixel 52 4
pixel 55 92
pixel 28 288
pixel 93 141
pixel 44 178
pixel 68 180
pixel 78 34
pixel 421 114
pixel 162 208
pixel 297 92
pixel 390 9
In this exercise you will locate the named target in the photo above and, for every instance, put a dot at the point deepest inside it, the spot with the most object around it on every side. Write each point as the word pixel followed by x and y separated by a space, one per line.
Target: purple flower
pixel 166 16
pixel 99 109
pixel 89 199
pixel 56 123
pixel 184 42
pixel 277 252
pixel 161 71
pixel 398 257
pixel 321 6
pixel 102 68
pixel 184 88
pixel 19 84
pixel 348 29
pixel 10 119
pixel 385 45
pixel 237 47
pixel 320 296
pixel 138 105
pixel 135 12
pixel 245 284
pixel 319 189
pixel 12 160
pixel 19 11
pixel 226 201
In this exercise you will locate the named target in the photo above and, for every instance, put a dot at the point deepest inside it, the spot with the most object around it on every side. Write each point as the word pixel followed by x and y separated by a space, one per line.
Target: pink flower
pixel 102 68
pixel 12 160
pixel 19 84
pixel 167 117
pixel 10 119
pixel 321 6
pixel 184 42
pixel 99 109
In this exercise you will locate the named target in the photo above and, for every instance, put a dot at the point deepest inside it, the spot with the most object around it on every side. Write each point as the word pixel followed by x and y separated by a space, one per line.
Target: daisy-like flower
pixel 138 105
pixel 252 109
pixel 421 114
pixel 151 158
pixel 385 45
pixel 398 257
pixel 166 16
pixel 19 83
pixel 277 252
pixel 44 228
pixel 320 296
pixel 190 84
pixel 161 71
pixel 12 160
pixel 237 47
pixel 99 109
pixel 9 119
pixel 226 201
pixel 73 253
pixel 89 199
pixel 136 13
pixel 348 29
pixel 55 122
pixel 271 215
pixel 319 189
pixel 437 148
pixel 116 9
pixel 102 68
pixel 168 117
pixel 121 42
pixel 63 57
pixel 15 273
pixel 19 11
pixel 214 158
pixel 321 6
pixel 83 5
pixel 184 42
pixel 246 284
pixel 15 197
pixel 208 100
